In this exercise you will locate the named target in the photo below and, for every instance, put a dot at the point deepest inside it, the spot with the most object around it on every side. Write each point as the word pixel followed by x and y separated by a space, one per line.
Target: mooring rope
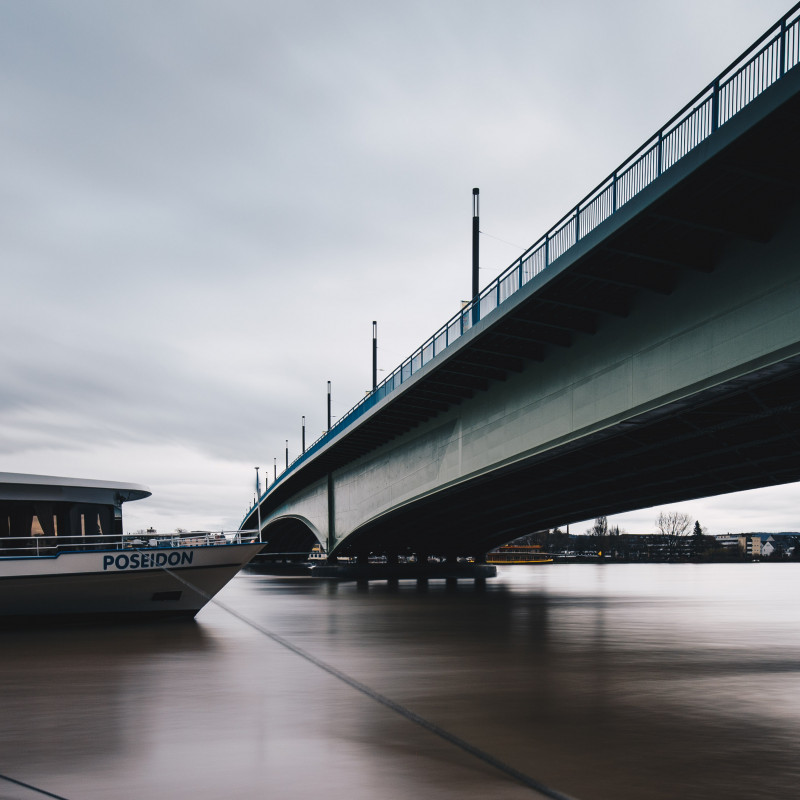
pixel 432 727
pixel 32 788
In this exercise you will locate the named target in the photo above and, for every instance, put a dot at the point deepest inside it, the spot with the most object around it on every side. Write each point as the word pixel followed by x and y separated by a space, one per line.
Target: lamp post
pixel 258 504
pixel 475 260
pixel 329 405
pixel 287 454
pixel 374 355
pixel 303 435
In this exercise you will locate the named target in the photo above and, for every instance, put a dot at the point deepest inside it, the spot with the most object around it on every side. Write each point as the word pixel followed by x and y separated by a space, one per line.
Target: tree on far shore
pixel 673 526
pixel 600 527
pixel 599 532
pixel 796 551
pixel 698 540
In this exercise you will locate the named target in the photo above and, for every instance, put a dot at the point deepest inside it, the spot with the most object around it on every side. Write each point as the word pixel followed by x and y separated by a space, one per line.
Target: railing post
pixel 660 147
pixel 613 192
pixel 782 49
pixel 715 106
pixel 577 223
pixel 546 250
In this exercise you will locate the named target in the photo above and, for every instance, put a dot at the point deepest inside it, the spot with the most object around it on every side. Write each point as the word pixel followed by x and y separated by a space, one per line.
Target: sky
pixel 204 206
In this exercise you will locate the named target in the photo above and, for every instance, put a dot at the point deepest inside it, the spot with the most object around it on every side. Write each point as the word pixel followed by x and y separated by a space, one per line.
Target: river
pixel 602 682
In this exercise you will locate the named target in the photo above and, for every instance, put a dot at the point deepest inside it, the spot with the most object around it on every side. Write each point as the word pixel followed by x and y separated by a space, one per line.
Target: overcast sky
pixel 204 205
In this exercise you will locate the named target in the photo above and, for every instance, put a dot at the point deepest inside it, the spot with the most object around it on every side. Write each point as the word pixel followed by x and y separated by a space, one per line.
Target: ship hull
pixel 117 584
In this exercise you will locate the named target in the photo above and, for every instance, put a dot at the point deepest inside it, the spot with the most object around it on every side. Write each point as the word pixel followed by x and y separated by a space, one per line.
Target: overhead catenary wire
pixel 504 241
pixel 518 247
pixel 411 716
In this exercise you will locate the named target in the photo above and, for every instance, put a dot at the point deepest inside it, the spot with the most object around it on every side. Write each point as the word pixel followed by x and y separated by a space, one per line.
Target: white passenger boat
pixel 63 555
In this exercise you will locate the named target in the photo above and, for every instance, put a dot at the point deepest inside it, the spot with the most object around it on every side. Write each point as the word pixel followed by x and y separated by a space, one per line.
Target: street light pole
pixel 258 504
pixel 475 259
pixel 374 355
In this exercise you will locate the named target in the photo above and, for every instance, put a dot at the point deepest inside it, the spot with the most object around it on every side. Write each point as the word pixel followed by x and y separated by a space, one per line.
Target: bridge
pixel 645 350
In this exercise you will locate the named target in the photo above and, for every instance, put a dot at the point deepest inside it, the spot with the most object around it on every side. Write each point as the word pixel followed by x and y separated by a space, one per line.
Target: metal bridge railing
pixel 758 68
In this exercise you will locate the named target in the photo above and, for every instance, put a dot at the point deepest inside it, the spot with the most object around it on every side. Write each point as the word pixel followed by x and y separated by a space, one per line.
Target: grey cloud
pixel 204 205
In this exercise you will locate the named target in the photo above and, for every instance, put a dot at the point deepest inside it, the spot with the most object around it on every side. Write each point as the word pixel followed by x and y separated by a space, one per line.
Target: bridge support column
pixel 331 515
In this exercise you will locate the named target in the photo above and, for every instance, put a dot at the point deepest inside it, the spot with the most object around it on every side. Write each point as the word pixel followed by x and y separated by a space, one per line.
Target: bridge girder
pixel 743 437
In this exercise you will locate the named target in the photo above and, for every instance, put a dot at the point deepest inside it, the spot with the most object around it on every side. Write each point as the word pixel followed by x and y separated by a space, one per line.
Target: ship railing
pixel 183 538
pixel 45 545
pixel 51 545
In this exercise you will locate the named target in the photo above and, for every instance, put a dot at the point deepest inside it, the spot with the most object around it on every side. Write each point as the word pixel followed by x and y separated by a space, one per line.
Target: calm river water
pixel 600 681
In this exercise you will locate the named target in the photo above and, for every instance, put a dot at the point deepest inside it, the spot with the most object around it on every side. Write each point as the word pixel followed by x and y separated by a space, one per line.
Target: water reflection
pixel 67 698
pixel 614 681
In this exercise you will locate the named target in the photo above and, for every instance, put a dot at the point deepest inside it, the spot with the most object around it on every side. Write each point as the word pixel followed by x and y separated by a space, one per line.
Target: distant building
pixel 759 545
pixel 769 546
pixel 727 540
pixel 750 545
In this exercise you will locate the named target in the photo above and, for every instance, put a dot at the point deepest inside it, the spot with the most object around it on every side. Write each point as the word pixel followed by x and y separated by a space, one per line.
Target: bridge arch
pixel 291 537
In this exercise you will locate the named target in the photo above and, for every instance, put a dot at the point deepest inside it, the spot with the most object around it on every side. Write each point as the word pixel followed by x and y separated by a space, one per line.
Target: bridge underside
pixel 741 435
pixel 288 539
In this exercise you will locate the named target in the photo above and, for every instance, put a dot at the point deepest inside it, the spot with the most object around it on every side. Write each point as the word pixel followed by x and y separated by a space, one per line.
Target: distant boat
pixel 518 554
pixel 63 555
pixel 317 554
